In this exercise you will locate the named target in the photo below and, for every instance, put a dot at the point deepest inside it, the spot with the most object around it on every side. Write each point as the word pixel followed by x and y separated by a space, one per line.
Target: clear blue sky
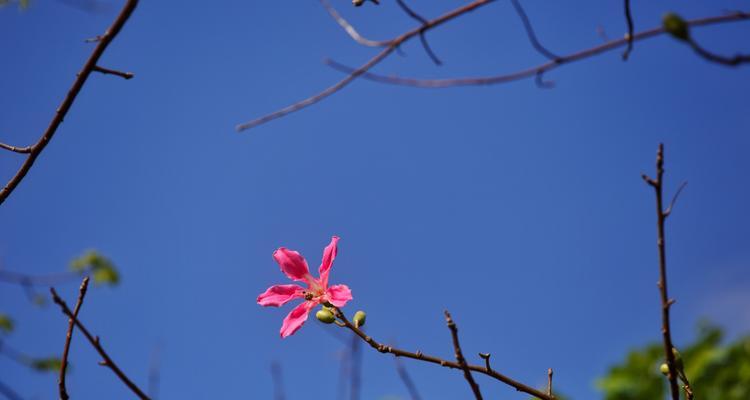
pixel 521 210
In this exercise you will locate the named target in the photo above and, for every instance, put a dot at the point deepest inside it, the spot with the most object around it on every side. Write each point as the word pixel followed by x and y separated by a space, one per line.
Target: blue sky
pixel 521 210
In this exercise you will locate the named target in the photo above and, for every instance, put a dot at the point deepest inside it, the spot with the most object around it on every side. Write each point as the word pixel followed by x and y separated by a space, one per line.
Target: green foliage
pixel 22 4
pixel 676 26
pixel 49 364
pixel 6 323
pixel 102 269
pixel 715 370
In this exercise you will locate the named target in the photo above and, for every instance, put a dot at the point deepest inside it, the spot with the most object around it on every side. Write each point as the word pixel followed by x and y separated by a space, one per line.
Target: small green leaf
pixel 49 364
pixel 39 300
pixel 676 26
pixel 104 272
pixel 6 323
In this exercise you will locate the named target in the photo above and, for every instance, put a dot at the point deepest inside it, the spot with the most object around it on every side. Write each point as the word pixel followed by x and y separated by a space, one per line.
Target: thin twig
pixel 8 392
pixel 422 38
pixel 355 354
pixel 629 35
pixel 278 383
pixel 392 45
pixel 96 343
pixel 530 31
pixel 68 339
pixel 406 379
pixel 657 184
pixel 154 376
pixel 460 356
pixel 733 61
pixel 37 280
pixel 90 65
pixel 436 360
pixel 533 71
pixel 549 381
pixel 350 29
pixel 107 71
pixel 15 149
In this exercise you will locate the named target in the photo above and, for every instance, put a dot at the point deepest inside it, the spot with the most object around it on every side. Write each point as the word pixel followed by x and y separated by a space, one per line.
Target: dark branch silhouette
pixel 422 38
pixel 418 355
pixel 96 343
pixel 90 66
pixel 536 70
pixel 391 46
pixel 530 31
pixel 666 302
pixel 460 357
pixel 68 338
pixel 629 36
pixel 406 379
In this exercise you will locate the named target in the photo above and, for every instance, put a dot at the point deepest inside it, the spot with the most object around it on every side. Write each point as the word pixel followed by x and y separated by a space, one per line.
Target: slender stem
pixel 107 71
pixel 90 65
pixel 732 61
pixel 530 31
pixel 538 69
pixel 95 342
pixel 68 339
pixel 629 36
pixel 37 280
pixel 406 379
pixel 436 360
pixel 355 73
pixel 460 356
pixel 666 303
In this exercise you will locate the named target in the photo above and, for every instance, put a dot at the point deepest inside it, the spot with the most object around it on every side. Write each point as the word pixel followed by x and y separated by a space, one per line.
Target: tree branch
pixel 657 184
pixel 733 61
pixel 629 35
pixel 530 32
pixel 36 149
pixel 20 150
pixel 95 342
pixel 536 70
pixel 68 338
pixel 107 71
pixel 436 360
pixel 350 29
pixel 460 357
pixel 422 38
pixel 392 45
pixel 406 379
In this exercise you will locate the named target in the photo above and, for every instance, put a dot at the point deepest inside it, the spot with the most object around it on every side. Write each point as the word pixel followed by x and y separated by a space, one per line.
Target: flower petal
pixel 339 295
pixel 296 318
pixel 279 295
pixel 292 264
pixel 329 254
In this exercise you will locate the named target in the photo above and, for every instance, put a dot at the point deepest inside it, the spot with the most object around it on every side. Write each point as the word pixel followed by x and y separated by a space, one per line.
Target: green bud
pixel 359 318
pixel 677 359
pixel 676 26
pixel 51 364
pixel 6 323
pixel 664 368
pixel 325 316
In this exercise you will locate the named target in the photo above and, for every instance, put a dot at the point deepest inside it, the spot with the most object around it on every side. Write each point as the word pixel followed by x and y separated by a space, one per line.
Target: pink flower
pixel 317 292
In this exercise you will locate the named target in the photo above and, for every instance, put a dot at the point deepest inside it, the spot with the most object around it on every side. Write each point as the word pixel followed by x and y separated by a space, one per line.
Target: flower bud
pixel 675 26
pixel 325 316
pixel 358 3
pixel 677 359
pixel 664 368
pixel 359 318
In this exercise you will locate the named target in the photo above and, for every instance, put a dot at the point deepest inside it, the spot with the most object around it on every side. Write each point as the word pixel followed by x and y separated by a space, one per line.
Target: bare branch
pixel 549 381
pixel 534 71
pixel 350 29
pixel 530 31
pixel 629 35
pixel 8 392
pixel 657 184
pixel 406 379
pixel 439 361
pixel 107 71
pixel 278 383
pixel 21 150
pixel 733 61
pixel 460 356
pixel 68 338
pixel 392 45
pixel 62 110
pixel 674 199
pixel 422 38
pixel 95 342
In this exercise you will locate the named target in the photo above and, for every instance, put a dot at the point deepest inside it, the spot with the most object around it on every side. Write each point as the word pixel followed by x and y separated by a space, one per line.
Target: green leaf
pixel 6 323
pixel 49 364
pixel 676 26
pixel 102 269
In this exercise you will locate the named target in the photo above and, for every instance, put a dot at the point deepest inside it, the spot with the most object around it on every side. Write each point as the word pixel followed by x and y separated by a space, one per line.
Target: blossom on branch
pixel 294 266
